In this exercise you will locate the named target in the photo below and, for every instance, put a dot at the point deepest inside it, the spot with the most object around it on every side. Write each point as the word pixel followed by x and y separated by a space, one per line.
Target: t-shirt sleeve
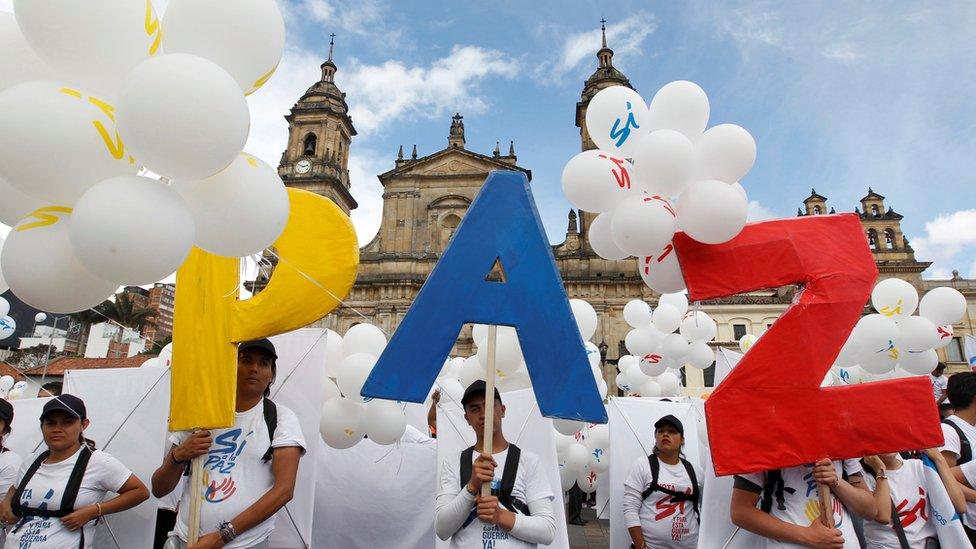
pixel 109 473
pixel 10 470
pixel 853 467
pixel 753 482
pixel 537 483
pixel 969 471
pixel 288 432
pixel 176 438
pixel 951 443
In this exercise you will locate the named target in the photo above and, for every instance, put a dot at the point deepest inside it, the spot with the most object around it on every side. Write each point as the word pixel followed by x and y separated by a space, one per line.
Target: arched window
pixel 874 210
pixel 449 224
pixel 816 210
pixel 310 142
pixel 889 239
pixel 873 239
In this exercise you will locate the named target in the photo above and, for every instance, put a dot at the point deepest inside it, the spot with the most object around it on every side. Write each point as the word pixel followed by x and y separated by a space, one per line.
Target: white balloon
pixel 93 44
pixel 592 354
pixel 18 63
pixel 918 363
pixel 670 384
pixel 383 421
pixel 595 181
pixel 641 342
pixel 333 353
pixel 664 162
pixel 878 362
pixel 615 118
pixel 166 355
pixel 601 238
pixel 698 326
pixel 945 336
pixel 681 106
pixel 894 298
pixel 725 152
pixel 746 342
pixel 712 212
pixel 562 443
pixel 567 478
pixel 245 37
pixel 567 427
pixel 622 382
pixel 247 189
pixel 598 436
pixel 599 461
pixel 700 355
pixel 650 389
pixel 601 386
pixel 6 382
pixel 353 372
pixel 677 300
pixel 341 423
pixel 653 365
pixel 661 272
pixel 576 455
pixel 943 306
pixel 4 307
pixel 588 479
pixel 452 389
pixel 471 371
pixel 637 313
pixel 874 333
pixel 183 116
pixel 635 378
pixel 674 347
pixel 7 326
pixel 151 363
pixel 330 390
pixel 14 204
pixel 43 271
pixel 508 353
pixel 626 362
pixel 642 225
pixel 3 282
pixel 848 353
pixel 917 334
pixel 363 338
pixel 40 317
pixel 667 318
pixel 585 317
pixel 131 229
pixel 514 381
pixel 75 147
pixel 479 332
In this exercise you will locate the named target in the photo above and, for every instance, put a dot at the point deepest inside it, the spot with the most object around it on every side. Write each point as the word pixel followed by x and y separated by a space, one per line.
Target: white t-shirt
pixel 953 445
pixel 665 523
pixel 44 491
pixel 939 386
pixel 802 501
pixel 10 463
pixel 235 476
pixel 531 484
pixel 908 493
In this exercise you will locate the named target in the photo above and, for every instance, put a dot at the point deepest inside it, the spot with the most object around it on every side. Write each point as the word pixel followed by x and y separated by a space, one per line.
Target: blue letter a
pixel 501 224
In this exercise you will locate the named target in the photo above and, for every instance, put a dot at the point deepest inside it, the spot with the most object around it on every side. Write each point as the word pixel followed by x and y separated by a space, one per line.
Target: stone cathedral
pixel 425 197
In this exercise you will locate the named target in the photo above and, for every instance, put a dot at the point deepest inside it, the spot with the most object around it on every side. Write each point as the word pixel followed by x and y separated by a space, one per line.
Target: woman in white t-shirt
pixel 665 514
pixel 60 493
pixel 9 460
pixel 900 484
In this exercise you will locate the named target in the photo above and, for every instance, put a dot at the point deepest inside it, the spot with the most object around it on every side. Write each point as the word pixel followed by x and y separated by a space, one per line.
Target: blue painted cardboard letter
pixel 501 224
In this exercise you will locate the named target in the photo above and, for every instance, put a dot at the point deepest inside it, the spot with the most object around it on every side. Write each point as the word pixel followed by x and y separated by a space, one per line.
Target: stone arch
pixel 873 239
pixel 875 211
pixel 890 241
pixel 309 144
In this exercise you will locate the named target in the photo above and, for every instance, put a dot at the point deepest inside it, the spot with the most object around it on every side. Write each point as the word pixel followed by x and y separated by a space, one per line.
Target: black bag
pixel 71 489
pixel 693 497
pixel 504 493
pixel 965 448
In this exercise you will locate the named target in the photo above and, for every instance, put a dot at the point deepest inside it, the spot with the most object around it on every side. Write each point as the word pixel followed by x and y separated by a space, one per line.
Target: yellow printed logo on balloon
pixel 153 29
pixel 45 218
pixel 113 144
pixel 261 81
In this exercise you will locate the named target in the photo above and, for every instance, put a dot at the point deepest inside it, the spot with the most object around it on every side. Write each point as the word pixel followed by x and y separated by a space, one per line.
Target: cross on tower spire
pixel 603 28
pixel 332 44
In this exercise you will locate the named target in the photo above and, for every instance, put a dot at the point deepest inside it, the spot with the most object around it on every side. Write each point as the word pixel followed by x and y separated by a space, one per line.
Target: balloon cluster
pixel 896 338
pixel 7 324
pixel 346 416
pixel 95 94
pixel 583 453
pixel 660 343
pixel 656 171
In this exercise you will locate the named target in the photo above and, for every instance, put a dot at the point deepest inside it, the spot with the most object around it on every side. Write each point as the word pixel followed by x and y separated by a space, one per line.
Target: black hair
pixel 86 441
pixel 962 389
pixel 940 366
pixel 53 387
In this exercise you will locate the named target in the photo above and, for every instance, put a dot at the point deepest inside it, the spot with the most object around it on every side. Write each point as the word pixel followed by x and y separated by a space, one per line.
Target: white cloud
pixel 956 229
pixel 360 17
pixel 758 212
pixel 393 90
pixel 949 243
pixel 364 165
pixel 626 39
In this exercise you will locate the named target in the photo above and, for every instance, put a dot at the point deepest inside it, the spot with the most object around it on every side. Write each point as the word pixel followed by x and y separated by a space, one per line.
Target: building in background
pixel 162 300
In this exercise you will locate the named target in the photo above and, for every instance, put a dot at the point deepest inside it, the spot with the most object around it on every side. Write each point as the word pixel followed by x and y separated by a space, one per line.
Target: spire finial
pixel 414 154
pixel 511 148
pixel 455 138
pixel 603 27
pixel 497 152
pixel 331 45
pixel 400 153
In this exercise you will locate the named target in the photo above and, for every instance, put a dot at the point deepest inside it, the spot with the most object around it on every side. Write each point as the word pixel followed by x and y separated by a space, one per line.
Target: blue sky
pixel 839 96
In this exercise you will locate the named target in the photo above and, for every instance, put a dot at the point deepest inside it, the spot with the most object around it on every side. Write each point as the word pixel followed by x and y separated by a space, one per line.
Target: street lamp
pixel 50 343
pixel 603 358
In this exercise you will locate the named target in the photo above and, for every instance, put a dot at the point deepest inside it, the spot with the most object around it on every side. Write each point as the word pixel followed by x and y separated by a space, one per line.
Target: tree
pixel 124 311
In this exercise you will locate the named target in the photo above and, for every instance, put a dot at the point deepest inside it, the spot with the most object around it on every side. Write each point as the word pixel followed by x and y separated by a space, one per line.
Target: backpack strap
pixel 71 489
pixel 508 483
pixel 695 492
pixel 271 421
pixel 15 505
pixel 965 448
pixel 467 456
pixel 655 471
pixel 695 495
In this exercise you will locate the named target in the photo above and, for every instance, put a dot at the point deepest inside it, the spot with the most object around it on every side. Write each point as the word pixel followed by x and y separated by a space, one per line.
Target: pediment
pixel 449 162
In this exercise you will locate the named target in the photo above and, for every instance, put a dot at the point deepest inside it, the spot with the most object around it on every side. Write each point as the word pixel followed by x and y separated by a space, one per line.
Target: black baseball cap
pixel 479 387
pixel 65 403
pixel 262 344
pixel 6 412
pixel 672 421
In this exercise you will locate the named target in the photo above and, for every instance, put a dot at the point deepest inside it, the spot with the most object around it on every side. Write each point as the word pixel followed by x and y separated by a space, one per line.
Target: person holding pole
pixel 249 469
pixel 517 512
pixel 785 506
pixel 662 493
pixel 60 495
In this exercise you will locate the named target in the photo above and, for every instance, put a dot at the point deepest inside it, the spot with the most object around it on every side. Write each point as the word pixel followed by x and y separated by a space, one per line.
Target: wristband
pixel 172 456
pixel 99 507
pixel 227 532
pixel 467 487
pixel 881 476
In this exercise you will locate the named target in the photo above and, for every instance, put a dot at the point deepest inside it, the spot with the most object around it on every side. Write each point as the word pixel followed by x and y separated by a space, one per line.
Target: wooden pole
pixel 196 499
pixel 489 432
pixel 826 506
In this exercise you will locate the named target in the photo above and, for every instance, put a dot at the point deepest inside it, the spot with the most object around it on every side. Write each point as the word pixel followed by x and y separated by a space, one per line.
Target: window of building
pixel 310 142
pixel 954 350
pixel 873 239
pixel 816 210
pixel 709 376
pixel 874 210
pixel 889 238
pixel 738 330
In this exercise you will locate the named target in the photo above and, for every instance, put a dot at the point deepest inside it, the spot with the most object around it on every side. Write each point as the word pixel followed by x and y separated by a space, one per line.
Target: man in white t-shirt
pixel 663 511
pixel 790 512
pixel 518 514
pixel 248 473
pixel 940 383
pixel 959 432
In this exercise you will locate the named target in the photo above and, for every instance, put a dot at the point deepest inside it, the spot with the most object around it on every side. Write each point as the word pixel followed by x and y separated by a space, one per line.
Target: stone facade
pixel 425 197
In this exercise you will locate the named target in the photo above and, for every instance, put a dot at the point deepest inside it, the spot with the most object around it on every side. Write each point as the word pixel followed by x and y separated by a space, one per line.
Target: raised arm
pixel 954 489
pixel 882 492
pixel 132 493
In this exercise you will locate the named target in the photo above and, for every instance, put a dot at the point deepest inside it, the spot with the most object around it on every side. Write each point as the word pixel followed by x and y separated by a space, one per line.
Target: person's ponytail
pixel 86 441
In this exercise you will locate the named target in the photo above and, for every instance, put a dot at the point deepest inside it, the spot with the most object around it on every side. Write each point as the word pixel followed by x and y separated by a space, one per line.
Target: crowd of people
pixel 54 499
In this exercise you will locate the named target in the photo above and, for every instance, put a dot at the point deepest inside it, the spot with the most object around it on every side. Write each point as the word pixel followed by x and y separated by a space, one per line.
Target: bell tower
pixel 320 132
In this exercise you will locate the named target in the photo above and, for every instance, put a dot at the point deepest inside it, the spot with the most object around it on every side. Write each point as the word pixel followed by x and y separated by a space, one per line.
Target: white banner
pixel 632 438
pixel 523 426
pixel 25 430
pixel 970 351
